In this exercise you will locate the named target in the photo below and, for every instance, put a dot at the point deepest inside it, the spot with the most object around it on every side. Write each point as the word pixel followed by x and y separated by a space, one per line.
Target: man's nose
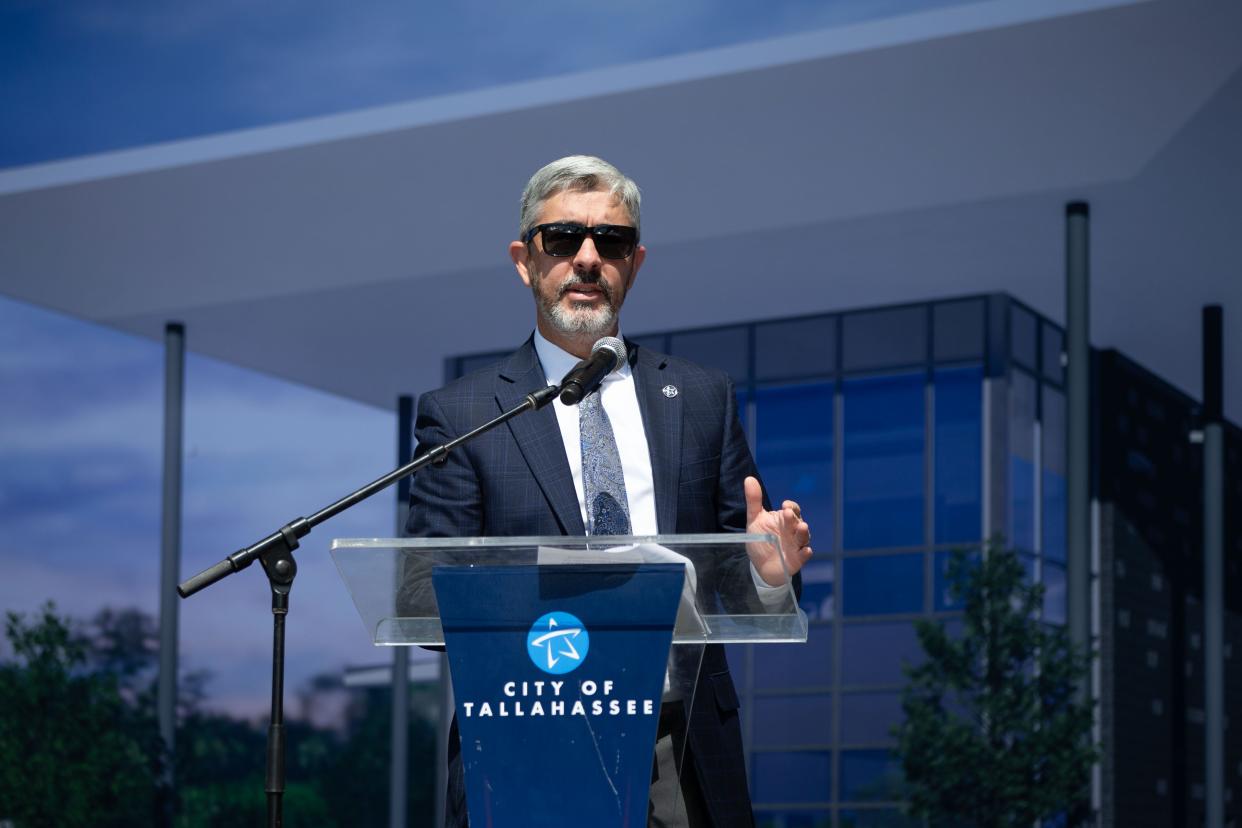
pixel 587 259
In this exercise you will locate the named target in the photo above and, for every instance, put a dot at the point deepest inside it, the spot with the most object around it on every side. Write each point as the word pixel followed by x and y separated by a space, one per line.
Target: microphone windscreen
pixel 613 344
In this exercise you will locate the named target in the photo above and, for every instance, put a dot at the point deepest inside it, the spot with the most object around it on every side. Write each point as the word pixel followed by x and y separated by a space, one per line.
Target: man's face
pixel 578 297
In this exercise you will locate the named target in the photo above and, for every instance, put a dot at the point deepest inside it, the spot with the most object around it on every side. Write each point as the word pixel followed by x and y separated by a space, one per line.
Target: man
pixel 664 454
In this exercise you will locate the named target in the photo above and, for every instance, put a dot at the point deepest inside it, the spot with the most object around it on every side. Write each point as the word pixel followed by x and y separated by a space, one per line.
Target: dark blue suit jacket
pixel 515 480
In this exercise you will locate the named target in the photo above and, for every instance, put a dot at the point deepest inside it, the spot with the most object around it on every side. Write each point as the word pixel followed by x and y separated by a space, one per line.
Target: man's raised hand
pixel 786 524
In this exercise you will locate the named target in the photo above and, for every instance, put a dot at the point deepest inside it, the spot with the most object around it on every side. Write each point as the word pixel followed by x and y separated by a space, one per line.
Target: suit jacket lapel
pixel 538 436
pixel 662 416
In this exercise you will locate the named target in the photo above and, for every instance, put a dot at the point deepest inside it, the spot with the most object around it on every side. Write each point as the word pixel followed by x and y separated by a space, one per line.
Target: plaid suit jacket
pixel 515 480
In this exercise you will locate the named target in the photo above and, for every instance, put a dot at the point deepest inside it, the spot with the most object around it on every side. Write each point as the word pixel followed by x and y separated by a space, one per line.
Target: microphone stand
pixel 275 553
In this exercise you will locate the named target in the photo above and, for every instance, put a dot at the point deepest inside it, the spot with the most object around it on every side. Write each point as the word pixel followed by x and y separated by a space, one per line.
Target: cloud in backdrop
pixel 80 459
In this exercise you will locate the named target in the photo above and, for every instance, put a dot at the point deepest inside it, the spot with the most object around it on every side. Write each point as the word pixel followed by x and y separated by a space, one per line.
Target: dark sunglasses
pixel 563 238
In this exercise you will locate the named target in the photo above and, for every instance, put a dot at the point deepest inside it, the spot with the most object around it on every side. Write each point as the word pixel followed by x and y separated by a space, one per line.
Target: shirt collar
pixel 557 362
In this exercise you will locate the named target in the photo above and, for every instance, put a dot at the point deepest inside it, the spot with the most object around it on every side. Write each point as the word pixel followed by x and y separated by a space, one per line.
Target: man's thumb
pixel 754 499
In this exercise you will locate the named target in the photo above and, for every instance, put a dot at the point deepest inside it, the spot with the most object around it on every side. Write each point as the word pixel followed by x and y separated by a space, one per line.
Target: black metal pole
pixel 274 777
pixel 1213 565
pixel 281 569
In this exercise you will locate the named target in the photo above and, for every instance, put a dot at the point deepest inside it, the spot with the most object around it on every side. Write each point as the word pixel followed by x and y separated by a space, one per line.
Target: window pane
pixel 958 330
pixel 794 432
pixel 885 338
pixel 883 584
pixel 793 819
pixel 725 348
pixel 1021 460
pixel 738 656
pixel 1028 567
pixel 805 776
pixel 874 653
pixel 818 590
pixel 869 775
pixel 796 348
pixel 884 447
pixel 1053 342
pixel 943 587
pixel 656 342
pixel 792 721
pixel 460 366
pixel 1054 593
pixel 789 666
pixel 1022 336
pixel 1055 502
pixel 878 818
pixel 959 454
pixel 869 717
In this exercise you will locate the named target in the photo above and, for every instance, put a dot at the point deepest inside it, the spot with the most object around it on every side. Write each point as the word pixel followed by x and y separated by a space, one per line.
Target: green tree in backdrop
pixel 79 745
pixel 995 733
pixel 73 751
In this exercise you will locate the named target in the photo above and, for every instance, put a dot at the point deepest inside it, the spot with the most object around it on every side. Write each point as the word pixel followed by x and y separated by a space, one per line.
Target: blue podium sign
pixel 558 673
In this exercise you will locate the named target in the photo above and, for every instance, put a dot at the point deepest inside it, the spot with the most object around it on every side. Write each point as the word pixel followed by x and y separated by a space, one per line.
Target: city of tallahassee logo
pixel 558 643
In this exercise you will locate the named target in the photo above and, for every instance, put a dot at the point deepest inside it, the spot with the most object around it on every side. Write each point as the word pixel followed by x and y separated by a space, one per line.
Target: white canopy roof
pixel 895 160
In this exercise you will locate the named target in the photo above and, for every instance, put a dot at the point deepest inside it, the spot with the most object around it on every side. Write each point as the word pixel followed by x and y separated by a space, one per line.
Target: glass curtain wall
pixel 873 420
pixel 1037 445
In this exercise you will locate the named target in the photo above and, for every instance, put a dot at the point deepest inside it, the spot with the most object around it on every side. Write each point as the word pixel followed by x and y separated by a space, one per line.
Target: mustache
pixel 573 281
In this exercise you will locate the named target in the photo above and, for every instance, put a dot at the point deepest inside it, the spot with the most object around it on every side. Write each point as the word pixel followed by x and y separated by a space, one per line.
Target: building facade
pixel 1150 516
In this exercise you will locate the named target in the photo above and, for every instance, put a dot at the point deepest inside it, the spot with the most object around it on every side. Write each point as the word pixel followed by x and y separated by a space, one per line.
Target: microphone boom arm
pixel 287 536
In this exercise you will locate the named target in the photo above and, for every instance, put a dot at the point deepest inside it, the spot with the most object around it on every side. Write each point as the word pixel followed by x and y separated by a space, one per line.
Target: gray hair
pixel 581 173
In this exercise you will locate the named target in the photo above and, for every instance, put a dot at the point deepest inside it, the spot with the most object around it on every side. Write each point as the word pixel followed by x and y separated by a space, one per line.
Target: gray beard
pixel 579 319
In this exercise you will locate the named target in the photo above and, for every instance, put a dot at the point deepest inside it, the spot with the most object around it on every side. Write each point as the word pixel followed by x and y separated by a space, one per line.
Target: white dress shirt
pixel 620 401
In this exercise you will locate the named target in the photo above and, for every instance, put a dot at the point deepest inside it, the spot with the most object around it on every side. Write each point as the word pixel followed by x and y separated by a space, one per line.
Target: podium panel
pixel 559 650
pixel 564 706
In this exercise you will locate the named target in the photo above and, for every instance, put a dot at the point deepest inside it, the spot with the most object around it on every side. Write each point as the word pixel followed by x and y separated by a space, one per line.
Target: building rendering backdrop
pixel 863 225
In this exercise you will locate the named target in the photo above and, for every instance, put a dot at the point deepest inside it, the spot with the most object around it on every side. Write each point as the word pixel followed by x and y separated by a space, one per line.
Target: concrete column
pixel 170 536
pixel 1078 422
pixel 398 794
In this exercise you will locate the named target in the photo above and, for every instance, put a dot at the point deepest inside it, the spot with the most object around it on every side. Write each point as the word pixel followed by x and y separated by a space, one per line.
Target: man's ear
pixel 520 253
pixel 640 254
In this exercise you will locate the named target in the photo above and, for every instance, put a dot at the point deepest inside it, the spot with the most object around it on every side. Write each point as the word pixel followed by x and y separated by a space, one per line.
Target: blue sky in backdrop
pixel 81 404
pixel 85 77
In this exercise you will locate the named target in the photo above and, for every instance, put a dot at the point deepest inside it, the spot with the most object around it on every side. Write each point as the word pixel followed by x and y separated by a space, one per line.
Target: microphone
pixel 607 355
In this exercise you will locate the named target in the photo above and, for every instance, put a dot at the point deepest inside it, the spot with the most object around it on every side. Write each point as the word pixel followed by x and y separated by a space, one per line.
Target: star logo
pixel 670 391
pixel 558 643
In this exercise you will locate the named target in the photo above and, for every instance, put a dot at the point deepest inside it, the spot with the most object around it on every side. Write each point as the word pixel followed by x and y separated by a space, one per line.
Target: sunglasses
pixel 563 238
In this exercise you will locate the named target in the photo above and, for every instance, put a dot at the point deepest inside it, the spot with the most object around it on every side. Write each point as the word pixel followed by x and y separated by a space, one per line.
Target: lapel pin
pixel 670 391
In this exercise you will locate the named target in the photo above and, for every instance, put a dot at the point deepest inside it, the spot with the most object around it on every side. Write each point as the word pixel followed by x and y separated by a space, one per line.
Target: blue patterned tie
pixel 603 482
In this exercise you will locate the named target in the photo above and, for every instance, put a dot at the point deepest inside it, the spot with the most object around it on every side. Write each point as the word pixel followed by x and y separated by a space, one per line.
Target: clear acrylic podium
pixel 559 651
